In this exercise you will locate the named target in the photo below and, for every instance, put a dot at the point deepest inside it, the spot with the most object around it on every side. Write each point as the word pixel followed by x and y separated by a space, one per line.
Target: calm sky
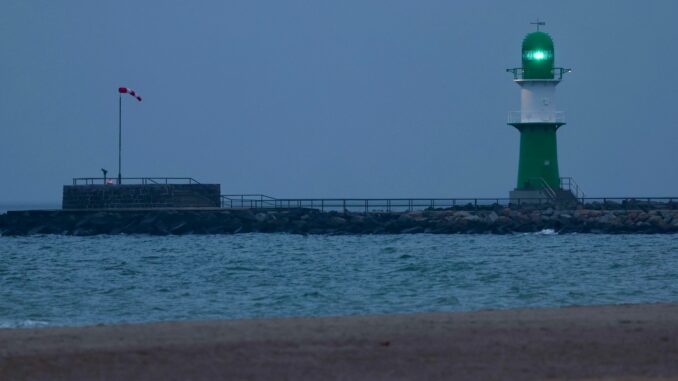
pixel 331 98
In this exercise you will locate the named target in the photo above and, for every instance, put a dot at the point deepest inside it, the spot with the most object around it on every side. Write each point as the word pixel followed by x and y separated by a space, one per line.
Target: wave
pixel 23 324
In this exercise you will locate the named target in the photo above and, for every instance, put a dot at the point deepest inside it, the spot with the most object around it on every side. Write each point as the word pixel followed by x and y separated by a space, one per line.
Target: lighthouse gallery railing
pixel 519 73
pixel 515 117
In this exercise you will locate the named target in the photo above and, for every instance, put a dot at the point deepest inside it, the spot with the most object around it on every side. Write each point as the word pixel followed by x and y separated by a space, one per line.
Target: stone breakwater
pixel 310 221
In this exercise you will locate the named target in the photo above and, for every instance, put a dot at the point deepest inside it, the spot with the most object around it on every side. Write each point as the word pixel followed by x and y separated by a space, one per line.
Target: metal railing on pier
pixel 568 184
pixel 357 204
pixel 543 185
pixel 247 201
pixel 629 203
pixel 133 180
pixel 259 201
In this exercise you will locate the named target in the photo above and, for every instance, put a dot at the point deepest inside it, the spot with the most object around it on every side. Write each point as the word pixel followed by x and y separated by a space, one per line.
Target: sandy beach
pixel 620 342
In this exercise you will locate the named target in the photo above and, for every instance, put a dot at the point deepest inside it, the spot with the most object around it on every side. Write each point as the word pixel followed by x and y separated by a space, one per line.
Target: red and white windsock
pixel 125 90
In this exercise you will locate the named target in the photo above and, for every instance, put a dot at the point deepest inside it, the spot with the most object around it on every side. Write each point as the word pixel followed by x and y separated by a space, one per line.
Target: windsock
pixel 125 90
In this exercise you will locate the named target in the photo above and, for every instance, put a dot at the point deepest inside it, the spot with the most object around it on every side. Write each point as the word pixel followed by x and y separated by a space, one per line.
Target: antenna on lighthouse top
pixel 538 23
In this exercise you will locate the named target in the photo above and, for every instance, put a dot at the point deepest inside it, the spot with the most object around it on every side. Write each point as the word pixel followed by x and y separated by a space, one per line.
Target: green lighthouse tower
pixel 538 120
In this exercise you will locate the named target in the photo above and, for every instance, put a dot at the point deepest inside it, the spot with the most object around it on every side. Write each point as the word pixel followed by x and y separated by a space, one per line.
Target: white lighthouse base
pixel 528 196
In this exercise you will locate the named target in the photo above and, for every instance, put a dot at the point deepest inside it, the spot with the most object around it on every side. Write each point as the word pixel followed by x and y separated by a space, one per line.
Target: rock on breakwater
pixel 311 221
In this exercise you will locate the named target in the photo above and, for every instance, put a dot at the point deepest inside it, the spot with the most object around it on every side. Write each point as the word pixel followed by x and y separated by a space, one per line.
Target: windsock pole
pixel 122 90
pixel 119 138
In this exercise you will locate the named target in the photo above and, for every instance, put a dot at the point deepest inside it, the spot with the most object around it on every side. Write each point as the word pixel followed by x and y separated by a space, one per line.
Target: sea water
pixel 66 281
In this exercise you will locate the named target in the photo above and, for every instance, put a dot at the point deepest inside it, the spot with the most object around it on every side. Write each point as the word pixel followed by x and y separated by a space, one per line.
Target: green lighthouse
pixel 538 120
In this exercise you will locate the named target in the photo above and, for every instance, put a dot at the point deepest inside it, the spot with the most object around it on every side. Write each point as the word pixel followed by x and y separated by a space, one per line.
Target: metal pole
pixel 119 139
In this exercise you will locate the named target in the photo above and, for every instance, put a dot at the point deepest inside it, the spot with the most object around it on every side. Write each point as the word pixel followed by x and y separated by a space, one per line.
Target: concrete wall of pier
pixel 102 196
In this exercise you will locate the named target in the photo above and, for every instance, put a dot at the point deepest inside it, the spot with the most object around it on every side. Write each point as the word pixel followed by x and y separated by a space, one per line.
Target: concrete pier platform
pixel 100 196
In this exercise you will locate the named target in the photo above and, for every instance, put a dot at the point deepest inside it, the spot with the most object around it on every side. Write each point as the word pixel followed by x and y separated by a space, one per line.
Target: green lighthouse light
pixel 538 56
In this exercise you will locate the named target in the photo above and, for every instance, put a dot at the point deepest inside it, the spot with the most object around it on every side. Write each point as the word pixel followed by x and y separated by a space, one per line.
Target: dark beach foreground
pixel 620 342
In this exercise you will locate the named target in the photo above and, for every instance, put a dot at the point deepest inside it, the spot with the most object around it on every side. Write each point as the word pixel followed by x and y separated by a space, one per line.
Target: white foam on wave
pixel 547 232
pixel 23 324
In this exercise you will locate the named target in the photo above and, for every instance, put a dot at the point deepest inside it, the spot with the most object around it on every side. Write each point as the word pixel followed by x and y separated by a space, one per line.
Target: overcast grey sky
pixel 331 98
